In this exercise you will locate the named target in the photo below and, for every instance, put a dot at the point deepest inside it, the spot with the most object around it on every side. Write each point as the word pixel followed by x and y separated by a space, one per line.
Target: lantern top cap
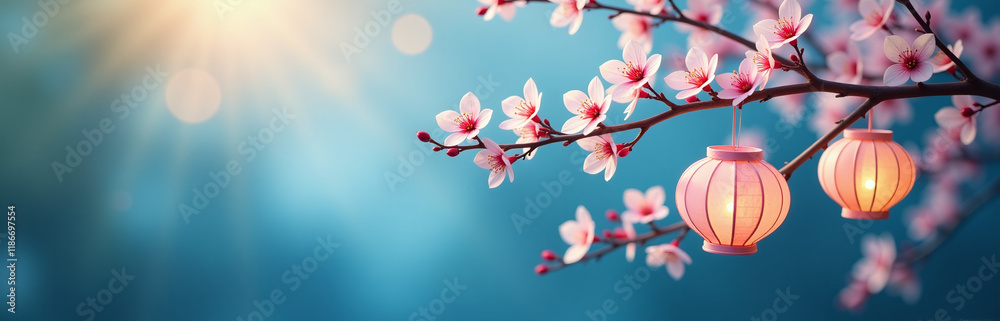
pixel 865 134
pixel 735 153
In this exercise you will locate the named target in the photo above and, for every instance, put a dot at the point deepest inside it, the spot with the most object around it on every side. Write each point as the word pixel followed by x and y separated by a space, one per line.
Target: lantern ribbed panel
pixel 733 199
pixel 866 173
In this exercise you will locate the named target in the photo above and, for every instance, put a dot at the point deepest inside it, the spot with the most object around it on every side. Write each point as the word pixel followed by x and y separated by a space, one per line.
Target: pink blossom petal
pixel 634 54
pixel 612 72
pixel 968 134
pixel 484 119
pixel 766 28
pixel 531 92
pixel 924 45
pixel 612 165
pixel 593 124
pixel 446 120
pixel 696 58
pixel 507 12
pixel 576 24
pixel 482 159
pixel 509 106
pixel 962 101
pixel 574 99
pixel 652 65
pixel 656 195
pixel 894 47
pixel 496 177
pixel 922 72
pixel 592 165
pixel 455 139
pixel 678 81
pixel 596 91
pixel 633 199
pixel 895 75
pixel 675 269
pixel 567 231
pixel 575 124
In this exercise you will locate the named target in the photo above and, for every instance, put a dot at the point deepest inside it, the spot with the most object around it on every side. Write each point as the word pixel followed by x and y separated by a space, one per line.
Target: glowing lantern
pixel 733 199
pixel 866 173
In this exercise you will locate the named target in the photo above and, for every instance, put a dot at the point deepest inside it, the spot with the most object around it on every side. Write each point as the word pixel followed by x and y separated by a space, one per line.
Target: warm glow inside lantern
pixel 733 199
pixel 866 173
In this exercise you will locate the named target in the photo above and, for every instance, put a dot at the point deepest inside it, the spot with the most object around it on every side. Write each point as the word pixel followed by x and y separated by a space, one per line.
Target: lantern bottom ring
pixel 729 250
pixel 859 215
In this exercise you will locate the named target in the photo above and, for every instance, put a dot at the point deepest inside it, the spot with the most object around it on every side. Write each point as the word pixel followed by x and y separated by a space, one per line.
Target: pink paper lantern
pixel 866 173
pixel 733 199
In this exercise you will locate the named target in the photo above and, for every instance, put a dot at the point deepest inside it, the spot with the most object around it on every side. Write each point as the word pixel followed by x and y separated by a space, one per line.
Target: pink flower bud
pixel 612 215
pixel 548 255
pixel 423 136
pixel 453 152
pixel 541 269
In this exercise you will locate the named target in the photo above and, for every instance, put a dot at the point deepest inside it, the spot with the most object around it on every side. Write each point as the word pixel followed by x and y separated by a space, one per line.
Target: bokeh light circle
pixel 193 95
pixel 412 34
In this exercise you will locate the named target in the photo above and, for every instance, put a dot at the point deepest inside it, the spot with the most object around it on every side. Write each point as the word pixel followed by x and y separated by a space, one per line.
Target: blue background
pixel 326 176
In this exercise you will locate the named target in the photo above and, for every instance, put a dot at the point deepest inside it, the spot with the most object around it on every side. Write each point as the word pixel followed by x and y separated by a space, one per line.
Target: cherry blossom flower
pixel 505 8
pixel 603 156
pixel 740 84
pixel 853 297
pixel 874 15
pixel 579 234
pixel 645 208
pixel 589 110
pixel 630 75
pixel 835 39
pixel 911 61
pixel 875 267
pixel 904 282
pixel 830 110
pixel 569 12
pixel 921 223
pixel 651 6
pixel 531 133
pixel 522 110
pixel 786 29
pixel 762 59
pixel 699 74
pixel 941 62
pixel 634 28
pixel 494 159
pixel 464 125
pixel 962 116
pixel 671 256
pixel 846 66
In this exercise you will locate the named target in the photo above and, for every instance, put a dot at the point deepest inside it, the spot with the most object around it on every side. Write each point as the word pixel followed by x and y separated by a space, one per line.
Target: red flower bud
pixel 620 233
pixel 643 94
pixel 541 269
pixel 692 99
pixel 548 255
pixel 512 159
pixel 794 43
pixel 436 148
pixel 708 89
pixel 795 58
pixel 676 243
pixel 607 234
pixel 967 112
pixel 453 152
pixel 612 215
pixel 623 152
pixel 423 136
pixel 481 10
pixel 777 64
